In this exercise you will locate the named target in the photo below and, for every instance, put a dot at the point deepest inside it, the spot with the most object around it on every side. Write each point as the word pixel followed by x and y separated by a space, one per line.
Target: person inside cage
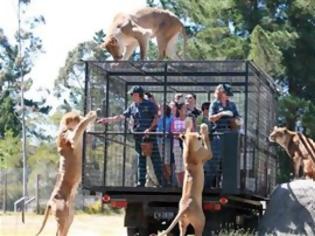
pixel 178 125
pixel 224 117
pixel 191 103
pixel 223 112
pixel 204 117
pixel 145 118
pixel 165 142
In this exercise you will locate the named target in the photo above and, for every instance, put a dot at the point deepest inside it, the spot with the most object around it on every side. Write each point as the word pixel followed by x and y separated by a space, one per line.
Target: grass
pixel 83 224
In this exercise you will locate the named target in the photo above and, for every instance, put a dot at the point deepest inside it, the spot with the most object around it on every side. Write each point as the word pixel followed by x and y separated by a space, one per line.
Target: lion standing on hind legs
pixel 69 145
pixel 197 151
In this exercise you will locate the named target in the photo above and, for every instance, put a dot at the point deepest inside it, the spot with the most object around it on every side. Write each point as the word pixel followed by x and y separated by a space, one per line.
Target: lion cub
pixel 197 151
pixel 69 144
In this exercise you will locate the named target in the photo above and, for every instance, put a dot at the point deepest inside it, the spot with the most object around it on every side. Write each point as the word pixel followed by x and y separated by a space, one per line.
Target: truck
pixel 248 164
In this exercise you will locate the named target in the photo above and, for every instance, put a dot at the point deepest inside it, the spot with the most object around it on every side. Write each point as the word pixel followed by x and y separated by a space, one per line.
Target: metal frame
pixel 129 69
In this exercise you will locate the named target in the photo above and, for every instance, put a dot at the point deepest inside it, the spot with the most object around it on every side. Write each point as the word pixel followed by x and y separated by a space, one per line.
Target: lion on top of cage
pixel 128 31
pixel 69 144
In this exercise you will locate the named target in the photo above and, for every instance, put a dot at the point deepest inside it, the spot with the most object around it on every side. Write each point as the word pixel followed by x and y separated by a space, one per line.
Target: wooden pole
pixel 37 194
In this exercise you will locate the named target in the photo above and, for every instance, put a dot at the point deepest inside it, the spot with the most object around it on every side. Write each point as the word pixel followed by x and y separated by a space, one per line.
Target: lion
pixel 297 147
pixel 69 144
pixel 128 31
pixel 197 151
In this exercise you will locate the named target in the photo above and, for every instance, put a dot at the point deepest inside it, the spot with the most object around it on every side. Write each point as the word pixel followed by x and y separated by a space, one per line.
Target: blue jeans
pixel 142 161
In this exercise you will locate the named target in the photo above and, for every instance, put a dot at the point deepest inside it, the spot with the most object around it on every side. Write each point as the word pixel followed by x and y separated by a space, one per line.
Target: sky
pixel 68 22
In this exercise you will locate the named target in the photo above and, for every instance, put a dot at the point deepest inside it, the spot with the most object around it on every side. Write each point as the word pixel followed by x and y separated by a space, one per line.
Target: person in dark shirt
pixel 222 112
pixel 145 117
pixel 191 101
pixel 204 117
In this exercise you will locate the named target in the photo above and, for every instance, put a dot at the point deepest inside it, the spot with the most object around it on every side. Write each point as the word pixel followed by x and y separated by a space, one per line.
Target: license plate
pixel 159 215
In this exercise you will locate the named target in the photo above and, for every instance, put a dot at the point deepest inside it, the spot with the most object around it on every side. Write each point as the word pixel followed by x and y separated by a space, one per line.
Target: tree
pixel 13 66
pixel 9 160
pixel 17 59
pixel 278 35
pixel 42 159
pixel 70 80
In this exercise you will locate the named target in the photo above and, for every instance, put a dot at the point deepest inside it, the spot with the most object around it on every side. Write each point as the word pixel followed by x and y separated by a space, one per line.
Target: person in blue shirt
pixel 222 110
pixel 222 114
pixel 165 142
pixel 145 118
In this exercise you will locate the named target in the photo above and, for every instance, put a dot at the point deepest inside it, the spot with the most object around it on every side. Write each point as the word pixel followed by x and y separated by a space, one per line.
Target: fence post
pixel 37 193
pixel 5 190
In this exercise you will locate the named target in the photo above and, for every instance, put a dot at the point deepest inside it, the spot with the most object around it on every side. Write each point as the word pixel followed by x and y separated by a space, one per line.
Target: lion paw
pixel 91 115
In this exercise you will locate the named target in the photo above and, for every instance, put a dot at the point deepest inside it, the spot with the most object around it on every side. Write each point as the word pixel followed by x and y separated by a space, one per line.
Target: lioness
pixel 69 144
pixel 296 149
pixel 196 152
pixel 128 31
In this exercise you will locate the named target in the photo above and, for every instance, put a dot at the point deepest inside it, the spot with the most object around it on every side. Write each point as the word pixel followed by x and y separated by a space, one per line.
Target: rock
pixel 291 210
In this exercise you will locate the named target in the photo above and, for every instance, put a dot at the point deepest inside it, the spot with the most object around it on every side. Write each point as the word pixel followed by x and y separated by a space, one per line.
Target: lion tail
pixel 177 217
pixel 48 208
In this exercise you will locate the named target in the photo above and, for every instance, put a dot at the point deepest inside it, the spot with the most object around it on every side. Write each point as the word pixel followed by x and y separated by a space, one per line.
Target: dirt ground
pixel 83 224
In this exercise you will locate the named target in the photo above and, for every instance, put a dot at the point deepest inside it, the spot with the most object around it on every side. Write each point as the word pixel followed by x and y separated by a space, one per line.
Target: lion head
pixel 68 122
pixel 113 46
pixel 281 135
pixel 196 146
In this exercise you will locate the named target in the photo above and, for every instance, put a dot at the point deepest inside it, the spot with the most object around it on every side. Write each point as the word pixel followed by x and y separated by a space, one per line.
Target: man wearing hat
pixel 222 110
pixel 145 117
pixel 222 114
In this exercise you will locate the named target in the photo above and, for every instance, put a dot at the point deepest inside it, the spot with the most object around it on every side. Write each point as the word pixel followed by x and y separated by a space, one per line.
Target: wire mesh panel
pixel 110 158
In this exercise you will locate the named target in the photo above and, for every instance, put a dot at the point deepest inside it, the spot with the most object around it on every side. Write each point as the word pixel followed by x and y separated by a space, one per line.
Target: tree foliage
pixel 10 151
pixel 16 62
pixel 70 80
pixel 278 35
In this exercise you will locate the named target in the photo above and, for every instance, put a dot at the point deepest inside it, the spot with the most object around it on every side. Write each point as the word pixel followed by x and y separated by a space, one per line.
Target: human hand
pixel 103 121
pixel 166 170
pixel 226 113
pixel 146 131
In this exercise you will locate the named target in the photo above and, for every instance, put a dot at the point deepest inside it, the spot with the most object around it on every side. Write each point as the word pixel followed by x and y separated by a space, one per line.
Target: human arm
pixel 214 116
pixel 154 109
pixel 153 124
pixel 110 120
pixel 114 119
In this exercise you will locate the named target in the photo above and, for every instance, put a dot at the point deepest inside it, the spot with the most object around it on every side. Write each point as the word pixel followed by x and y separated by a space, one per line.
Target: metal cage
pixel 109 157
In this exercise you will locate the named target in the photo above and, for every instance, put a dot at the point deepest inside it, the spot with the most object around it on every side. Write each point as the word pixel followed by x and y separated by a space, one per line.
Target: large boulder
pixel 291 210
